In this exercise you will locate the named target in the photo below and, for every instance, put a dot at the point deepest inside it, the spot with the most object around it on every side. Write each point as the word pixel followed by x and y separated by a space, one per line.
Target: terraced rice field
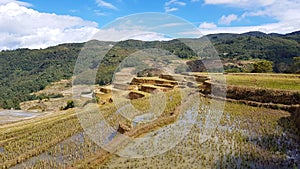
pixel 272 81
pixel 244 136
pixel 247 137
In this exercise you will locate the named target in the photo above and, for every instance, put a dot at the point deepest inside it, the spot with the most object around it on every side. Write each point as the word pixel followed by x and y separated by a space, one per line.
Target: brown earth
pixel 262 95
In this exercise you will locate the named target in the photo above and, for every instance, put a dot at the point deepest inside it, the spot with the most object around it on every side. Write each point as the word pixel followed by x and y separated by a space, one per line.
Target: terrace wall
pixel 262 95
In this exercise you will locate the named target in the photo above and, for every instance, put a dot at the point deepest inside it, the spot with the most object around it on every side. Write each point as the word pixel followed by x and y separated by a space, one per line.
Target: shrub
pixel 262 66
pixel 70 104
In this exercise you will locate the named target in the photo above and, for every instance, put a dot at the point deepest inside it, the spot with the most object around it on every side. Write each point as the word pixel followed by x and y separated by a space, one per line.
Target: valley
pixel 153 104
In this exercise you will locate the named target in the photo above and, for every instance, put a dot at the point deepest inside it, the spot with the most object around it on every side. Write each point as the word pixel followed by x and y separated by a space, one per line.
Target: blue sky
pixel 104 12
pixel 42 23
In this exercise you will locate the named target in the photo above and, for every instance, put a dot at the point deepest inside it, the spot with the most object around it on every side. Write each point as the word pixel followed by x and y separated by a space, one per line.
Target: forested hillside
pixel 280 49
pixel 24 71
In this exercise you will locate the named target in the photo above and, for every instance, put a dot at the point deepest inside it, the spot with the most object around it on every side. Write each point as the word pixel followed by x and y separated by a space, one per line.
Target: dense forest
pixel 23 71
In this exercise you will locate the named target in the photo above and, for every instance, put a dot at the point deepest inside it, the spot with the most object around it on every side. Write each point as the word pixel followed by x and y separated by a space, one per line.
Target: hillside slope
pixel 24 71
pixel 280 49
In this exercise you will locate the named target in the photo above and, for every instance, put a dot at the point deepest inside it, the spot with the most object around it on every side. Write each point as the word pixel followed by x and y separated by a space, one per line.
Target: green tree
pixel 262 66
pixel 70 104
pixel 296 64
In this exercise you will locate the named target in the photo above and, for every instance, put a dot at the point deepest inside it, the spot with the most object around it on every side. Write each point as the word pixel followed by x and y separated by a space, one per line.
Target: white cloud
pixel 284 12
pixel 99 13
pixel 219 1
pixel 169 5
pixel 175 24
pixel 168 9
pixel 3 2
pixel 73 11
pixel 149 36
pixel 281 10
pixel 241 3
pixel 113 34
pixel 226 20
pixel 22 27
pixel 175 2
pixel 207 25
pixel 106 4
pixel 282 28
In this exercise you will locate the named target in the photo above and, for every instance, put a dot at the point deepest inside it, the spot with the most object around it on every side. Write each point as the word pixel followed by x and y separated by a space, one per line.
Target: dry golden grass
pixel 246 137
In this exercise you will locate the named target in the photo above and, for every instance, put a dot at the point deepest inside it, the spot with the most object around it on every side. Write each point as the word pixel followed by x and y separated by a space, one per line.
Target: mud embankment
pixel 296 115
pixel 258 97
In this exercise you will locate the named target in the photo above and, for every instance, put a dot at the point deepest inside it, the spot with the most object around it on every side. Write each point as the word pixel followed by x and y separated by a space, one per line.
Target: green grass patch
pixel 281 82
